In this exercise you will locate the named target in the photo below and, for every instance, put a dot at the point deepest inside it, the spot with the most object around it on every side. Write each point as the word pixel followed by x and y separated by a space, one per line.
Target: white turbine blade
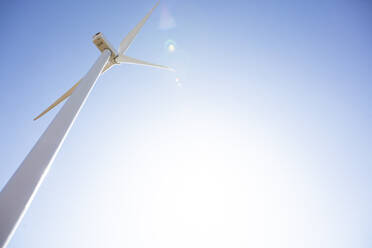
pixel 58 101
pixel 129 60
pixel 133 33
pixel 69 92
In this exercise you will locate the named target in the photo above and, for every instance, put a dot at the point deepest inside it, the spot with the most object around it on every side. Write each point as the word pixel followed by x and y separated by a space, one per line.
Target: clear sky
pixel 265 140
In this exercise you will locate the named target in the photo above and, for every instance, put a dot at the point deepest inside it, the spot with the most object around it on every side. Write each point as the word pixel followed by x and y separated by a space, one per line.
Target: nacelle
pixel 102 43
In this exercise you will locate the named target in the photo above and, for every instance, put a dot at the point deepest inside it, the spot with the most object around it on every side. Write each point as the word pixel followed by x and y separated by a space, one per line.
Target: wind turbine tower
pixel 19 191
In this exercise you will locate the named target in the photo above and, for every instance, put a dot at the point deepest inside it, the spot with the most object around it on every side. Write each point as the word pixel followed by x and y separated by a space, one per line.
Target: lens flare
pixel 179 84
pixel 166 19
pixel 171 48
pixel 170 45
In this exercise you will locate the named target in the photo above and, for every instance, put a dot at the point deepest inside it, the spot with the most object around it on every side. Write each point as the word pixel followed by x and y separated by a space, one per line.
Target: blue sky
pixel 266 142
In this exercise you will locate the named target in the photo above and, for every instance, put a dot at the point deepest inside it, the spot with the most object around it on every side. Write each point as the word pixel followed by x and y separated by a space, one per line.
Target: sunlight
pixel 201 186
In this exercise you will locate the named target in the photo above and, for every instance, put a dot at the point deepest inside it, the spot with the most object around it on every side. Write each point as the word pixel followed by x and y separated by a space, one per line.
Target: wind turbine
pixel 19 191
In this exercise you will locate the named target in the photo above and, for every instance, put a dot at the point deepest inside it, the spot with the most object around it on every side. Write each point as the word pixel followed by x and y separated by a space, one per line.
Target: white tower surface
pixel 19 191
pixel 21 188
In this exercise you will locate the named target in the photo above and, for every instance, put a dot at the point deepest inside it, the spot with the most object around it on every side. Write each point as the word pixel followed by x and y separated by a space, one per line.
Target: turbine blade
pixel 133 33
pixel 107 66
pixel 129 60
pixel 58 101
pixel 69 92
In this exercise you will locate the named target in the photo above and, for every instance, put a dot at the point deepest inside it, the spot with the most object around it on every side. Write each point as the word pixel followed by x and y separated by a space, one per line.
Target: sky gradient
pixel 265 140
